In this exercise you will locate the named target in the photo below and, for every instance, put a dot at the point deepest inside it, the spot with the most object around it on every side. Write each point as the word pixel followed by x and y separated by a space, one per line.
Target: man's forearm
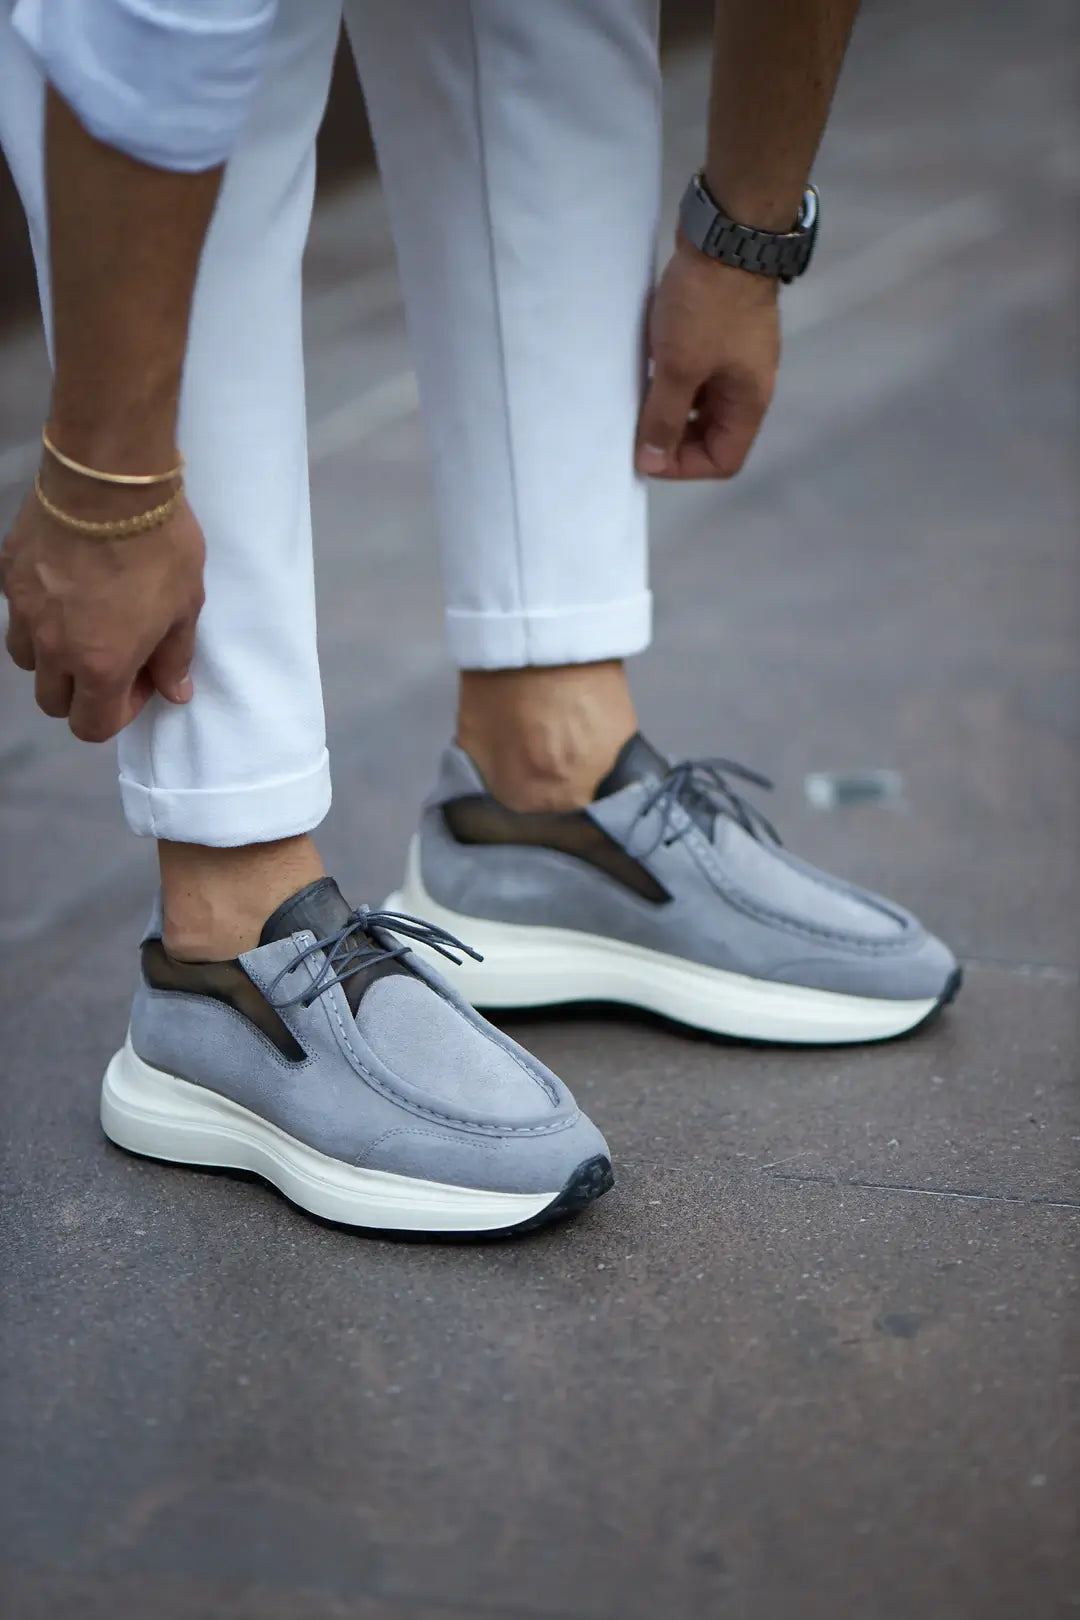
pixel 775 66
pixel 125 241
pixel 103 618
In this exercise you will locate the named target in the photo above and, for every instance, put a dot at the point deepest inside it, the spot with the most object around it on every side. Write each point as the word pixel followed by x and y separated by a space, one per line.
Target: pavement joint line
pixel 687 501
pixel 859 1185
pixel 895 258
pixel 403 1603
pixel 1030 970
pixel 388 402
pixel 888 262
pixel 789 1158
pixel 472 1610
pixel 19 935
pixel 50 919
pixel 961 1194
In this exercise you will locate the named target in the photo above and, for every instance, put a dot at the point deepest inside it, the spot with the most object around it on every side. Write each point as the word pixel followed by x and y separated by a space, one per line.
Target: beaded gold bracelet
pixel 114 528
pixel 130 479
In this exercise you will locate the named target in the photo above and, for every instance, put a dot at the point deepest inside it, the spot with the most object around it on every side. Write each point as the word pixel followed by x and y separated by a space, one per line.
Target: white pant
pixel 519 147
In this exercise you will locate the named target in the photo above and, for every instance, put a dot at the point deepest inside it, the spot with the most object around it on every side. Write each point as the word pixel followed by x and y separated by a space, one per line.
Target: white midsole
pixel 525 966
pixel 149 1111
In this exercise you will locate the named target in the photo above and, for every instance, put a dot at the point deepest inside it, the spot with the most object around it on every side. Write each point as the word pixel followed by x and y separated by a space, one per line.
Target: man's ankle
pixel 543 739
pixel 217 900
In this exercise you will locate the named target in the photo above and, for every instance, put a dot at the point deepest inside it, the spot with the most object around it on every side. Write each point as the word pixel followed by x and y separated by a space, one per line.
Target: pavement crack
pixel 965 1195
pixel 1057 971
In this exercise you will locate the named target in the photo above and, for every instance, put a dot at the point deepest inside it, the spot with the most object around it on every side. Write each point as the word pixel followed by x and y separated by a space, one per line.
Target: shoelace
pixel 344 956
pixel 708 778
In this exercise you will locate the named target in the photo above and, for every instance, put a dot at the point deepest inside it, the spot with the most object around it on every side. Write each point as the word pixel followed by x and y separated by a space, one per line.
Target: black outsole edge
pixel 591 1180
pixel 949 994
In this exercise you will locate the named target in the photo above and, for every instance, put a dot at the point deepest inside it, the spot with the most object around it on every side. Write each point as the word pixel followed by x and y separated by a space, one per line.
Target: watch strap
pixel 785 254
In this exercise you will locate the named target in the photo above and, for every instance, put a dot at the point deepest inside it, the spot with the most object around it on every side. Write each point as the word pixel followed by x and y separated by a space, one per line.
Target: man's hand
pixel 714 331
pixel 714 341
pixel 102 623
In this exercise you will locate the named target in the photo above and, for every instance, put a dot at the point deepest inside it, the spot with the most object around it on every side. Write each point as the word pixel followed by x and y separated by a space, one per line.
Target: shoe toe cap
pixel 510 1161
pixel 924 971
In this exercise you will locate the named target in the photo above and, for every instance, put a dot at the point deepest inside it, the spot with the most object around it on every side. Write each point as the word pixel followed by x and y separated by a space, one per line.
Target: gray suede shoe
pixel 336 1064
pixel 672 893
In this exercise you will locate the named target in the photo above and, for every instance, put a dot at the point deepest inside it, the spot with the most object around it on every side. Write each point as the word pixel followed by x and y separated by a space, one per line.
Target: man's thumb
pixel 169 664
pixel 662 424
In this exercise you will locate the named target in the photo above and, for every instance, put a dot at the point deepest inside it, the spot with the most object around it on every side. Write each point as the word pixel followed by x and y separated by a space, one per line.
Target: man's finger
pixel 694 461
pixel 662 424
pixel 142 691
pixel 20 643
pixel 170 663
pixel 729 437
pixel 99 711
pixel 53 689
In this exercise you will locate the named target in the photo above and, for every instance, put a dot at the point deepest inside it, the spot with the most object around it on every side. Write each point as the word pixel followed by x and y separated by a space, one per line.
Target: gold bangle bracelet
pixel 115 528
pixel 133 479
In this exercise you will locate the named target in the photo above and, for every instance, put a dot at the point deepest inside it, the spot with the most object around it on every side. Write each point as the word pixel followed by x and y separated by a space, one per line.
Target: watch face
pixel 808 213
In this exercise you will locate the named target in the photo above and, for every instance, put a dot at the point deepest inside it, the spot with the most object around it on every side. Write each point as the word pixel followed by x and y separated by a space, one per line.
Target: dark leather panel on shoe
pixel 636 761
pixel 478 818
pixel 322 909
pixel 220 981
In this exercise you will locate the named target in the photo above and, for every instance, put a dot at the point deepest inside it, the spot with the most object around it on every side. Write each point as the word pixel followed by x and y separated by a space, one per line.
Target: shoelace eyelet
pixel 354 959
pixel 708 777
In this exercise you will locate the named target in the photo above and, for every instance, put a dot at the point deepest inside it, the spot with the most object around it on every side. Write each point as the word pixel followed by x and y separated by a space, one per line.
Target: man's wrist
pixel 763 208
pixel 131 438
pixel 782 255
pixel 765 288
pixel 90 501
pixel 119 440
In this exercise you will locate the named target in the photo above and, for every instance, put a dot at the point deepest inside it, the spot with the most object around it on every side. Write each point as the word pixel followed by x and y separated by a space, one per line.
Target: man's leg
pixel 274 1028
pixel 519 149
pixel 519 145
pixel 232 783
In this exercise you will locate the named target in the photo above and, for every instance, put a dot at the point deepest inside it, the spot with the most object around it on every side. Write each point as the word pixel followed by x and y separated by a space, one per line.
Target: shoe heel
pixel 151 1112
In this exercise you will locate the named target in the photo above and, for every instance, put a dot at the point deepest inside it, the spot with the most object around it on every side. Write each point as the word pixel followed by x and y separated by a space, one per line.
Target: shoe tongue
pixel 320 907
pixel 637 760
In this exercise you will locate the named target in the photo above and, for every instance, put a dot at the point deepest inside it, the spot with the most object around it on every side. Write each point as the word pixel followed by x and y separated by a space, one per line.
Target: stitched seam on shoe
pixel 702 850
pixel 407 1130
pixel 521 1059
pixel 706 856
pixel 475 1022
pixel 409 1103
pixel 434 1113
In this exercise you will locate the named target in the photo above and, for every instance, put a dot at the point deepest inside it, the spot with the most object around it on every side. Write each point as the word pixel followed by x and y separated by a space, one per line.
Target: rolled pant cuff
pixel 282 807
pixel 579 635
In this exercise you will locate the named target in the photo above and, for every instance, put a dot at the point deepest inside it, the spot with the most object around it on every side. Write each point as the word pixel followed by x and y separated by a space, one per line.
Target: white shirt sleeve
pixel 169 82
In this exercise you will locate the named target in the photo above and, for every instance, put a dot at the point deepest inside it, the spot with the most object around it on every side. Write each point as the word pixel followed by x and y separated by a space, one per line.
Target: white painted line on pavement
pixel 890 260
pixel 388 402
pixel 883 265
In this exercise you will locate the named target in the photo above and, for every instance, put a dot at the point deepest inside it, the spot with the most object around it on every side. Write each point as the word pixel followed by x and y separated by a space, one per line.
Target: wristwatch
pixel 767 253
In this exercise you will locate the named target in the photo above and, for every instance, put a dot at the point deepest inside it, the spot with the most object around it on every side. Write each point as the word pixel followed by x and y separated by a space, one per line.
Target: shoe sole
pixel 527 966
pixel 156 1114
